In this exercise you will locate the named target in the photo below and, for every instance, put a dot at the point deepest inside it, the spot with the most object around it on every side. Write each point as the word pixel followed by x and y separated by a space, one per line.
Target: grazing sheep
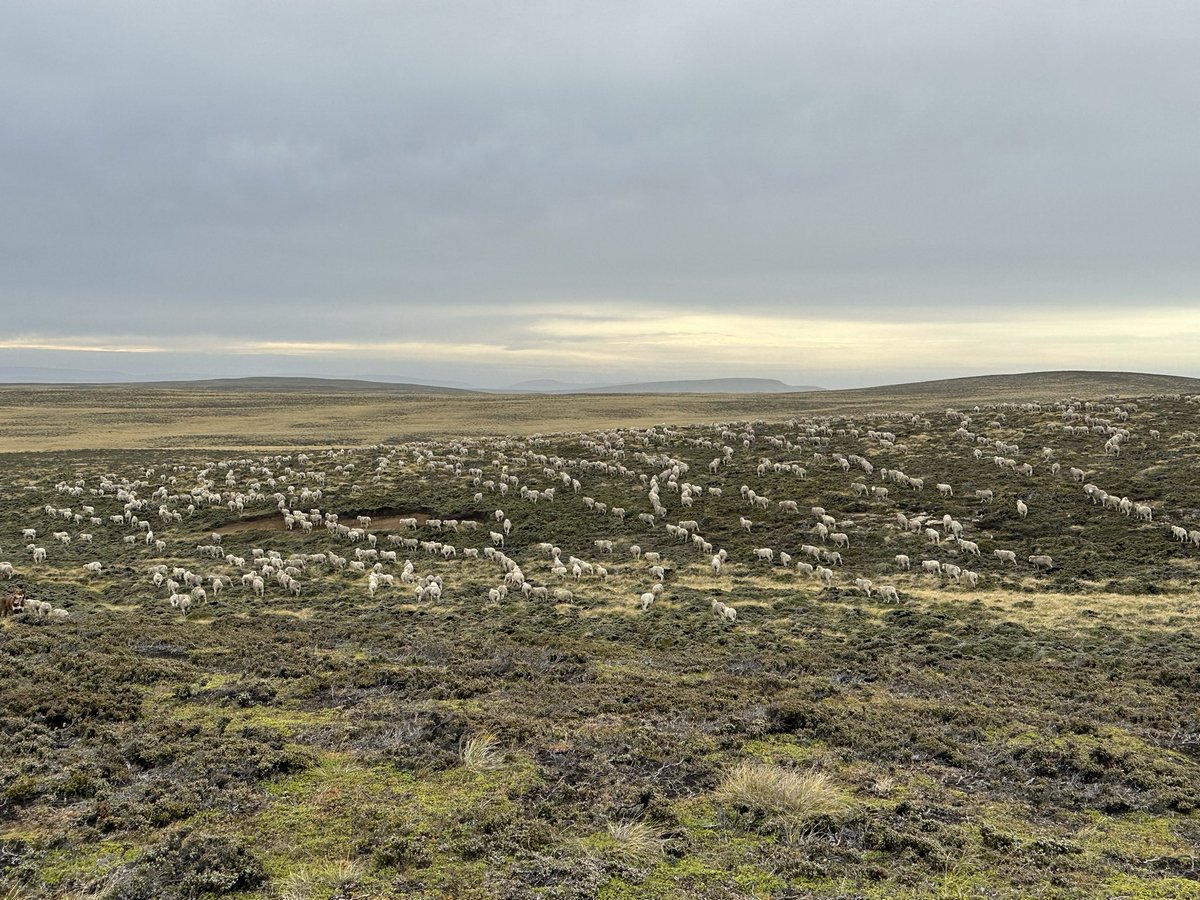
pixel 1042 562
pixel 12 603
pixel 887 593
pixel 903 561
pixel 968 547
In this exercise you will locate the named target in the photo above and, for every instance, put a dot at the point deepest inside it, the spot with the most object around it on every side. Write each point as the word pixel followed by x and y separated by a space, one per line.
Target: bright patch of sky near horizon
pixel 826 193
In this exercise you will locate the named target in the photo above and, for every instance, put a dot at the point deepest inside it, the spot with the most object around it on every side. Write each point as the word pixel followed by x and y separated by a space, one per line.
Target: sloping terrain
pixel 288 709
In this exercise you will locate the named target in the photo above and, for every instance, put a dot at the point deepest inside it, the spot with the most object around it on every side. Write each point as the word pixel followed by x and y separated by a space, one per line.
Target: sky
pixel 836 193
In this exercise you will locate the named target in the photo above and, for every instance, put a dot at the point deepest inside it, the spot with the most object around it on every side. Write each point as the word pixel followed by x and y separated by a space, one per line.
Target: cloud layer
pixel 825 192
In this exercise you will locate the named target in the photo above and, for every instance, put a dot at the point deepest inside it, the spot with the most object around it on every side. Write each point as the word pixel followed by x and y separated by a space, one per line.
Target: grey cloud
pixel 324 169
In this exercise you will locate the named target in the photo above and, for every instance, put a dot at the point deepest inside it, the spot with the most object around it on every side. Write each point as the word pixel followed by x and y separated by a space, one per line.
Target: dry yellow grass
pixel 778 792
pixel 138 417
pixel 481 752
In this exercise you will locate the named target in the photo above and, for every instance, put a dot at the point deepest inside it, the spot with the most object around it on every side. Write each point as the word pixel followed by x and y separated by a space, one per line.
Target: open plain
pixel 936 640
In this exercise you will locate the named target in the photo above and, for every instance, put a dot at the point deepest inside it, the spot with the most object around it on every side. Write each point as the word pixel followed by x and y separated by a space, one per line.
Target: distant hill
pixel 1035 385
pixel 701 386
pixel 685 386
pixel 546 386
pixel 285 384
pixel 48 375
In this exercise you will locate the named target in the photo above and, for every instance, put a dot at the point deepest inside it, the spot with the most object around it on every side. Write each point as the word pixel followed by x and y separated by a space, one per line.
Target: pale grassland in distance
pixel 34 418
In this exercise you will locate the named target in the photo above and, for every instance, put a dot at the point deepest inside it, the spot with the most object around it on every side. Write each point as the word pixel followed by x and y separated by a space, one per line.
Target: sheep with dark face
pixel 12 603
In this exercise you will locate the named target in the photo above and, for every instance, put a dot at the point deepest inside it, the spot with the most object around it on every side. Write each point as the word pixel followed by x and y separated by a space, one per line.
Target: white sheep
pixel 1041 562
pixel 969 547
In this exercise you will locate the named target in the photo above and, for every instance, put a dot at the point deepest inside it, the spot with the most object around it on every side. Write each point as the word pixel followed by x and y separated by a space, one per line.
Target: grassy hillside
pixel 1034 735
pixel 50 417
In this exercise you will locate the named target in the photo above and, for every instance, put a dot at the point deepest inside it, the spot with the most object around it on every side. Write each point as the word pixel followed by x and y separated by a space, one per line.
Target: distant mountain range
pixel 288 383
pixel 701 385
pixel 1016 386
pixel 32 375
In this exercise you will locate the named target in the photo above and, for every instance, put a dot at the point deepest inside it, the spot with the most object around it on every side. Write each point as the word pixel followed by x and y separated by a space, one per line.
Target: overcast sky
pixel 837 193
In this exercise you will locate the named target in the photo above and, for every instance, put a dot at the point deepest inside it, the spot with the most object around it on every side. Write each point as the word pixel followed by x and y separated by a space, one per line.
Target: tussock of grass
pixel 312 882
pixel 777 792
pixel 481 752
pixel 635 841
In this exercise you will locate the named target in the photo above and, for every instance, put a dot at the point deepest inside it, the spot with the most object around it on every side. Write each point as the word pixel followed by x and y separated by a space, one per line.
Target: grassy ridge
pixel 49 417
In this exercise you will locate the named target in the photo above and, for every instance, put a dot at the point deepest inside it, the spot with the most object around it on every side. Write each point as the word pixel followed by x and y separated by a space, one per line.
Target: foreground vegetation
pixel 1034 736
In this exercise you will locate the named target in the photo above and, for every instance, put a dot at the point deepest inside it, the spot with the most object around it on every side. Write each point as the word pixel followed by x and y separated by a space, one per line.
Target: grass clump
pixel 787 796
pixel 312 882
pixel 481 752
pixel 635 841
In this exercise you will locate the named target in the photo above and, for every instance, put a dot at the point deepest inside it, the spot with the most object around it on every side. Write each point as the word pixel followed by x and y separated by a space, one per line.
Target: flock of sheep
pixel 667 501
